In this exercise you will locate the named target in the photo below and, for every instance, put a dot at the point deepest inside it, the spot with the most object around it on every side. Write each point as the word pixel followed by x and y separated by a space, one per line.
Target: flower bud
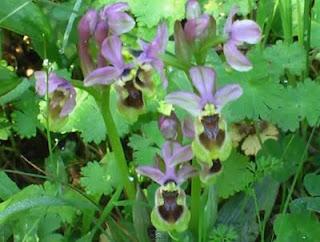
pixel 193 9
pixel 169 126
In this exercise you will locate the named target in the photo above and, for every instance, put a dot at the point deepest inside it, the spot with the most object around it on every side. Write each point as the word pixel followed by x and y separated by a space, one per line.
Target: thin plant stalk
pixel 114 139
pixel 195 203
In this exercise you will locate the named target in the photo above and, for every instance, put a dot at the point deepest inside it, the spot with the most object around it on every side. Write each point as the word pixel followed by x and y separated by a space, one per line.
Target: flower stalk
pixel 103 102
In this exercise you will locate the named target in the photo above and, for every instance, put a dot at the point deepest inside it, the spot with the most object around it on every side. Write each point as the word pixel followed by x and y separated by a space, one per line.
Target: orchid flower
pixel 61 93
pixel 237 32
pixel 112 51
pixel 211 140
pixel 173 154
pixel 151 51
pixel 170 212
pixel 111 20
pixel 203 78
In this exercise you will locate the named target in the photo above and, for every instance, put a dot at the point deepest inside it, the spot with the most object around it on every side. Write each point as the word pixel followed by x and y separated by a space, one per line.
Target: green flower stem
pixel 114 139
pixel 195 203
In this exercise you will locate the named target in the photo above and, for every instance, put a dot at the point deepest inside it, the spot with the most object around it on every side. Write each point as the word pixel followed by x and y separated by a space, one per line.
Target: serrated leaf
pixel 96 179
pixel 296 228
pixel 24 118
pixel 5 128
pixel 235 175
pixel 144 151
pixel 282 57
pixel 150 13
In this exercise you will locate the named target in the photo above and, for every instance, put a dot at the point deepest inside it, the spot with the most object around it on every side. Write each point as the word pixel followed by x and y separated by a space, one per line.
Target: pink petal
pixel 186 100
pixel 235 58
pixel 111 50
pixel 245 31
pixel 103 76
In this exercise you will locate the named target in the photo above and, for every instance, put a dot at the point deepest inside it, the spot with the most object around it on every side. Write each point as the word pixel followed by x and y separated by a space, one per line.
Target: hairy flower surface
pixel 61 93
pixel 237 32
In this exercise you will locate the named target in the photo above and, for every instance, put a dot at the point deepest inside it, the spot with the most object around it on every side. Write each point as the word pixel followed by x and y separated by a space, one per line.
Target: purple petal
pixel 111 50
pixel 188 128
pixel 228 24
pixel 186 100
pixel 227 94
pixel 101 32
pixel 181 154
pixel 103 76
pixel 41 83
pixel 246 31
pixel 185 172
pixel 173 153
pixel 203 78
pixel 70 103
pixel 235 58
pixel 153 173
pixel 86 61
pixel 193 9
pixel 195 28
pixel 87 24
pixel 113 8
pixel 120 23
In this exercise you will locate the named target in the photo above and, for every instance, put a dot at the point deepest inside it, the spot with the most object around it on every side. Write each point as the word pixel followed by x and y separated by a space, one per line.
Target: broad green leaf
pixel 8 81
pixel 26 18
pixel 7 186
pixel 28 203
pixel 311 182
pixel 235 175
pixel 296 228
pixel 15 93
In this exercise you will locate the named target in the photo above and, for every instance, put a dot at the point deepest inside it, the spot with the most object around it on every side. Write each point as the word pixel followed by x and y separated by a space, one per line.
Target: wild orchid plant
pixel 205 132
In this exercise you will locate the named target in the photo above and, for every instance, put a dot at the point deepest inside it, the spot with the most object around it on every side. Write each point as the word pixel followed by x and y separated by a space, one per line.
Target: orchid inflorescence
pixel 205 129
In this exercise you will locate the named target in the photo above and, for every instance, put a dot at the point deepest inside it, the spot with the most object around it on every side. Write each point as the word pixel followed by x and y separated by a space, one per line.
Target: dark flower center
pixel 126 72
pixel 211 135
pixel 170 210
pixel 134 99
pixel 216 166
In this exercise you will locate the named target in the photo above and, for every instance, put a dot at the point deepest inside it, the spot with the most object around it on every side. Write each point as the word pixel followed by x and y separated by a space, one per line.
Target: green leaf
pixel 28 203
pixel 235 176
pixel 141 217
pixel 15 93
pixel 8 80
pixel 26 18
pixel 7 186
pixel 143 149
pixel 149 13
pixel 296 228
pixel 24 118
pixel 282 57
pixel 288 150
pixel 240 211
pixel 5 128
pixel 96 179
pixel 311 182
